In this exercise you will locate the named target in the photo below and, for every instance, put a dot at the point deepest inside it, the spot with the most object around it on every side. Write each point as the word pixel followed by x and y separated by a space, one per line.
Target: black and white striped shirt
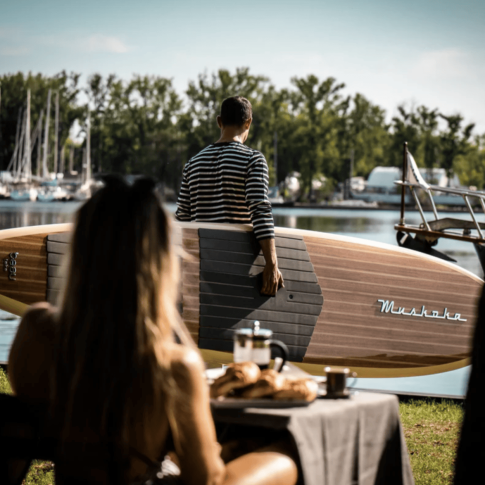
pixel 227 182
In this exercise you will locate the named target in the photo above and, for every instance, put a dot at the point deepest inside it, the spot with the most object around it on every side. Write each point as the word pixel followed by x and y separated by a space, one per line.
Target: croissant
pixel 269 382
pixel 238 375
pixel 299 389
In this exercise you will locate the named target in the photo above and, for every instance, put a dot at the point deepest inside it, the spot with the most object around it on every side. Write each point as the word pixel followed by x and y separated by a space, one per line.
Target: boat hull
pixel 381 310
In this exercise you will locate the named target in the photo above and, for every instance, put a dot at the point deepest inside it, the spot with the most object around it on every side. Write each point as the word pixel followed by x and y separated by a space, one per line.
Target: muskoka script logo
pixel 388 307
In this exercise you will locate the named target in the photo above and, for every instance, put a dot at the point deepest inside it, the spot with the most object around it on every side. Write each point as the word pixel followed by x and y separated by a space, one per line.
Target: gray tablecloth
pixel 340 442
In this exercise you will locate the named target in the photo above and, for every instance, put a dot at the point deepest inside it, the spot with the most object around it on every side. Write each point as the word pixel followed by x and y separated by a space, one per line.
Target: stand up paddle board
pixel 381 310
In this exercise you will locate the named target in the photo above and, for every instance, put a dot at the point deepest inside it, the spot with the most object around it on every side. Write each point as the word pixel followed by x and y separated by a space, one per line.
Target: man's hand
pixel 272 278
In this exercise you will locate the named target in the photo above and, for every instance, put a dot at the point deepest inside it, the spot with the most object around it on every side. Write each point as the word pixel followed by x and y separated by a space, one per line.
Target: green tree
pixel 135 126
pixel 454 141
pixel 404 128
pixel 470 167
pixel 367 134
pixel 427 122
pixel 317 106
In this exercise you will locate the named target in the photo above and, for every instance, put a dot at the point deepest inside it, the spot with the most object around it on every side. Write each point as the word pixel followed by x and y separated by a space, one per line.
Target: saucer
pixel 323 394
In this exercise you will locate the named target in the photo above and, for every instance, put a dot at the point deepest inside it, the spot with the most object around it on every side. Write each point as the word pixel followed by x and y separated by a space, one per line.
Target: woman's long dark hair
pixel 117 313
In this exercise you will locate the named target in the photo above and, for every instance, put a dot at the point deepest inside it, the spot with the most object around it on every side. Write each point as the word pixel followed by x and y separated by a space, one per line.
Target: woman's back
pixel 31 379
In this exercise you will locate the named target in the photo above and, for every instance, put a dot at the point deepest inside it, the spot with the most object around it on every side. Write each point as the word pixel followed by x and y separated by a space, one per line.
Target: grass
pixel 40 473
pixel 431 429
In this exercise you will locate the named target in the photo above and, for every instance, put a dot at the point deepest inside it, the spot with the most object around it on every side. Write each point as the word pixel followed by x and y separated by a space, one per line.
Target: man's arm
pixel 262 218
pixel 272 277
pixel 183 202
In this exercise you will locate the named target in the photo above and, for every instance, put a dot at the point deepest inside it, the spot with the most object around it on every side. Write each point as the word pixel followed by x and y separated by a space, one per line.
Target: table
pixel 339 441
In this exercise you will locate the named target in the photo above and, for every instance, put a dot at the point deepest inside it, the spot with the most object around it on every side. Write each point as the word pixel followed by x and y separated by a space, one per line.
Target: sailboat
pixel 20 164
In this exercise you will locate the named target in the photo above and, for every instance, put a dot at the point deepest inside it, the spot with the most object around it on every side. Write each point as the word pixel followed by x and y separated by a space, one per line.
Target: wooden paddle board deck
pixel 382 310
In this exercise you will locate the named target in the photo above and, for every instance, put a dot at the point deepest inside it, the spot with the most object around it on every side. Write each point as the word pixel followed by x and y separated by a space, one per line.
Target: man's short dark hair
pixel 235 111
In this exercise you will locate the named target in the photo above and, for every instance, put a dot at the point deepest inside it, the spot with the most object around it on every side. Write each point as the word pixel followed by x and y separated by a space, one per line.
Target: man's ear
pixel 247 124
pixel 219 121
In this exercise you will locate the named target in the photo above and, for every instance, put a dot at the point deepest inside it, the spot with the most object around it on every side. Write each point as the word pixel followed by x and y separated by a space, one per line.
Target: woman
pixel 107 362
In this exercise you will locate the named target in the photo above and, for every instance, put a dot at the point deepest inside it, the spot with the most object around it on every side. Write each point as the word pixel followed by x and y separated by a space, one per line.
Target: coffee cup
pixel 337 381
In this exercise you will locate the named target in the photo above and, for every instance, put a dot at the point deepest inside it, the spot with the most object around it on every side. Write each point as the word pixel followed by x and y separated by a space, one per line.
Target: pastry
pixel 302 389
pixel 237 375
pixel 269 382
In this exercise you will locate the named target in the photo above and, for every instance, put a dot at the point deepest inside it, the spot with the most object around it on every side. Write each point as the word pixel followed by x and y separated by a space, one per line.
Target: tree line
pixel 144 126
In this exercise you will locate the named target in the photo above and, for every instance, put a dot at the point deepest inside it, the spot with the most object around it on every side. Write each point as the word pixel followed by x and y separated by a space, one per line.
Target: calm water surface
pixel 372 225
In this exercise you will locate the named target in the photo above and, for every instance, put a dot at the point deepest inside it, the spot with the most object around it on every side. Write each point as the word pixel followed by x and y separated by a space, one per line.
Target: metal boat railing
pixel 431 231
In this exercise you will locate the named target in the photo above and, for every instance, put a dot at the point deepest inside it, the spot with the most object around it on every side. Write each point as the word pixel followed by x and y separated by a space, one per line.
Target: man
pixel 228 182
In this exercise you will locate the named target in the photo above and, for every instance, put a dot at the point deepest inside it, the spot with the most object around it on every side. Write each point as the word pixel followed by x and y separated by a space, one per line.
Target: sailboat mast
pixel 39 142
pixel 26 163
pixel 63 159
pixel 56 137
pixel 20 154
pixel 45 171
pixel 83 173
pixel 71 159
pixel 88 150
pixel 12 163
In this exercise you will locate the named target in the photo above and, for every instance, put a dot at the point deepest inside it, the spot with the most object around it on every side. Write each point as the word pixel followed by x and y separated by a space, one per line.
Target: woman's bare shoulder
pixel 186 364
pixel 38 319
pixel 31 354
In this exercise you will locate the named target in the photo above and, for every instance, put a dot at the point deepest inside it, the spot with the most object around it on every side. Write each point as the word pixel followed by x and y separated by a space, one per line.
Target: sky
pixel 393 52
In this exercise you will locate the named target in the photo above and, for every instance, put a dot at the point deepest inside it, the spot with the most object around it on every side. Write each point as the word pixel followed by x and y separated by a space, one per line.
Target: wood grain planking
pixel 459 281
pixel 364 253
pixel 375 290
pixel 321 243
pixel 190 233
pixel 190 283
pixel 190 244
pixel 32 250
pixel 192 327
pixel 395 281
pixel 388 326
pixel 408 271
pixel 377 342
pixel 190 267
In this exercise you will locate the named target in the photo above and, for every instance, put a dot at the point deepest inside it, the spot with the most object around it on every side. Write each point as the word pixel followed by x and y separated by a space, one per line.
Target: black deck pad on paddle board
pixel 231 266
pixel 57 246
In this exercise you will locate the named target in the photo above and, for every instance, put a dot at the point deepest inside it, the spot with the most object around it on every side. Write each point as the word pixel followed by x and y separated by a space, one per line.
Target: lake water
pixel 368 224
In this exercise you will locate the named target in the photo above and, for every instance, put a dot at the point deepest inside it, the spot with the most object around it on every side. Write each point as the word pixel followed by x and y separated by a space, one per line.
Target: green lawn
pixel 431 429
pixel 40 473
pixel 432 432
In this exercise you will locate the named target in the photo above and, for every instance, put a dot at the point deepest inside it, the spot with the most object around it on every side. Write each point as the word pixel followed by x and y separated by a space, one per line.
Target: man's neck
pixel 232 133
pixel 229 139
